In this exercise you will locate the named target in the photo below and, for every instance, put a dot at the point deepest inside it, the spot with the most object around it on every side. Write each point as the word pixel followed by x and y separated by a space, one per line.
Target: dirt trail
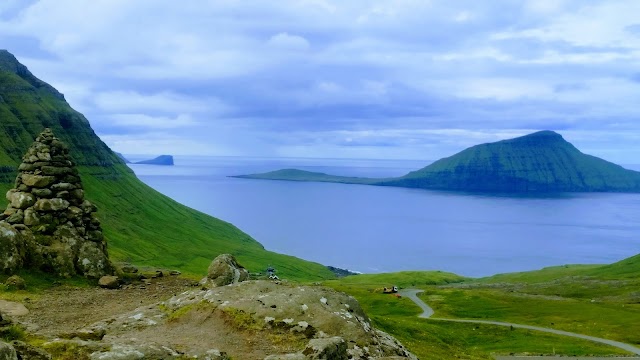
pixel 428 313
pixel 64 309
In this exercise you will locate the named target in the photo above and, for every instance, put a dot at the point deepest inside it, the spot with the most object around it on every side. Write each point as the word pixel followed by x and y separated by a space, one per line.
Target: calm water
pixel 380 229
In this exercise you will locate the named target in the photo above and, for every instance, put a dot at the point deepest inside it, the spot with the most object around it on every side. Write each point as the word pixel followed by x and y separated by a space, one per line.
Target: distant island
pixel 160 160
pixel 536 163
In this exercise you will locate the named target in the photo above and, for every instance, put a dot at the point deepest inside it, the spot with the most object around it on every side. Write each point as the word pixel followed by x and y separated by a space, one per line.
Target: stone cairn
pixel 48 225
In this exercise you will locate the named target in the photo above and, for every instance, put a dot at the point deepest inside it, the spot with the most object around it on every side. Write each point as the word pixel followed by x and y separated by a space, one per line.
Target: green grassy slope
pixel 457 297
pixel 626 269
pixel 140 224
pixel 538 162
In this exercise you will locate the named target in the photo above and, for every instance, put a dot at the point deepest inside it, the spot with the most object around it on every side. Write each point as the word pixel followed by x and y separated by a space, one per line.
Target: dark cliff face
pixel 539 162
pixel 29 105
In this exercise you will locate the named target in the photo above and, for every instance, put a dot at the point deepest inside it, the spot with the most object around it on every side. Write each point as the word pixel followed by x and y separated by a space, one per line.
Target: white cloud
pixel 602 25
pixel 152 122
pixel 161 143
pixel 129 101
pixel 332 66
pixel 286 41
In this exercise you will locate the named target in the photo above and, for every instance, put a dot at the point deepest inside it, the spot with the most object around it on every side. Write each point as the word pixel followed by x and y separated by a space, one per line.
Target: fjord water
pixel 383 229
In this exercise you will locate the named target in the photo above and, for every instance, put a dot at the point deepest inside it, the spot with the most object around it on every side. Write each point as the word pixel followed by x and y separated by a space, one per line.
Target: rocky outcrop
pixel 250 320
pixel 7 352
pixel 29 352
pixel 334 348
pixel 48 224
pixel 225 270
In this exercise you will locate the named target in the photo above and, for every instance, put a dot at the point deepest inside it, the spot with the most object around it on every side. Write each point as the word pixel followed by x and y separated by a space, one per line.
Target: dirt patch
pixel 64 309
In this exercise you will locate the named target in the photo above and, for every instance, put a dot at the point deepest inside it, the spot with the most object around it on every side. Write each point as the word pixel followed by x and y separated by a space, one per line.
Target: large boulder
pixel 7 352
pixel 109 282
pixel 225 270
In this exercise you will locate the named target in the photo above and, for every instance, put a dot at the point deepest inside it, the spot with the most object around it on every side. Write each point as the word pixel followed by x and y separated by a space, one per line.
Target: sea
pixel 372 229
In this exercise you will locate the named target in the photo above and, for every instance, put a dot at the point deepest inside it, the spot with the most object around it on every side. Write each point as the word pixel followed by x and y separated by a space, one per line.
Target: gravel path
pixel 428 312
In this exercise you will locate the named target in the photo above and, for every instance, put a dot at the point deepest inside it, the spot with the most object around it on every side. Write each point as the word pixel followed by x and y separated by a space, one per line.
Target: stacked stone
pixel 61 233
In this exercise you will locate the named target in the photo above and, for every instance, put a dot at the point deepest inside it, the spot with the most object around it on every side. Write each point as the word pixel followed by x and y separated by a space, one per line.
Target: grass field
pixel 586 299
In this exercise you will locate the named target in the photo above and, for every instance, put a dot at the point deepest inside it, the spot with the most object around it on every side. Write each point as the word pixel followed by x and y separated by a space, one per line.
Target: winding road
pixel 428 313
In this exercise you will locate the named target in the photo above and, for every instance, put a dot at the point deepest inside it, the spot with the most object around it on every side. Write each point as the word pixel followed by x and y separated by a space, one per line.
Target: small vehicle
pixel 391 290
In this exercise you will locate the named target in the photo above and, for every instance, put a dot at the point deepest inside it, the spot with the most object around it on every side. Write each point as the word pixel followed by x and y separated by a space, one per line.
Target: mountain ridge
pixel 540 162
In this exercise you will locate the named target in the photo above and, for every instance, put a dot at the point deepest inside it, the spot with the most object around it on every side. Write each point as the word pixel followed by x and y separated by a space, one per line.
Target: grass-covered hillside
pixel 140 224
pixel 542 161
pixel 538 162
pixel 596 300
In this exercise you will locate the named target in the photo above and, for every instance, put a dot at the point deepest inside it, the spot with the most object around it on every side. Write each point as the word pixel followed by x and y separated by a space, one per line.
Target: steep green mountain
pixel 140 224
pixel 538 162
pixel 542 161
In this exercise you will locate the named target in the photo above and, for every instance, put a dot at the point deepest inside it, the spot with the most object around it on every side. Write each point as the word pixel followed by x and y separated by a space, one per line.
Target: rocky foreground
pixel 249 320
pixel 224 316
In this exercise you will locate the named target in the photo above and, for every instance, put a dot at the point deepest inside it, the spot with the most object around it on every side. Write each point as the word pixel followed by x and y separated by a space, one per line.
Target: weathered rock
pixel 136 351
pixel 16 282
pixel 225 270
pixel 29 352
pixel 296 356
pixel 128 268
pixel 21 200
pixel 42 193
pixel 63 186
pixel 11 249
pixel 334 348
pixel 213 354
pixel 53 170
pixel 16 217
pixel 91 260
pixel 37 181
pixel 27 167
pixel 58 231
pixel 86 334
pixel 109 282
pixel 7 352
pixel 31 217
pixel 54 204
pixel 12 308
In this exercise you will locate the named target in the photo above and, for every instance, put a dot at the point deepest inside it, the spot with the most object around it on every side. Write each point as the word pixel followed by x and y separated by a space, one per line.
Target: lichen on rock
pixel 48 225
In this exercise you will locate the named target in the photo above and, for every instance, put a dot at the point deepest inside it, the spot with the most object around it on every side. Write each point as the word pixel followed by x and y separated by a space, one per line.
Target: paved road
pixel 428 312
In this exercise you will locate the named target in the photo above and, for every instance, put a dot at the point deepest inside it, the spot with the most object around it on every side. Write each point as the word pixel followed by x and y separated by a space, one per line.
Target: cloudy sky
pixel 360 79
